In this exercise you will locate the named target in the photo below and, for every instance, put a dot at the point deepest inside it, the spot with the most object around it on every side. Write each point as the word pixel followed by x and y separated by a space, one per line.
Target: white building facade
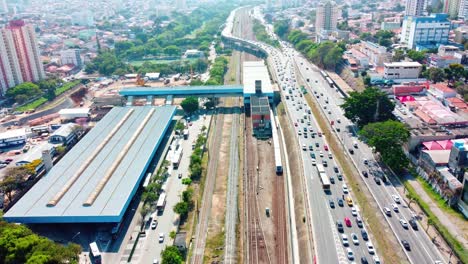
pixel 402 70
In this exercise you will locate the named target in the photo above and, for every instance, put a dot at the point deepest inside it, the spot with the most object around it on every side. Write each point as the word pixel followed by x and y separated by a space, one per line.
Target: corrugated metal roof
pixel 112 201
pixel 182 90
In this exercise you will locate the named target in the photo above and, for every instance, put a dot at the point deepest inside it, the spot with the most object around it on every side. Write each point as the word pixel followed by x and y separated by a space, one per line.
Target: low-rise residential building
pixel 447 50
pixel 193 53
pixel 402 70
pixel 461 34
pixel 442 91
pixel 377 54
pixel 390 25
pixel 441 62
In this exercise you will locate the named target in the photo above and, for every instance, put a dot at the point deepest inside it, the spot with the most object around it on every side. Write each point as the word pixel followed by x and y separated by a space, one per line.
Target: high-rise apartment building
pixel 415 7
pixel 71 56
pixel 428 31
pixel 19 55
pixel 326 17
pixel 451 7
pixel 463 10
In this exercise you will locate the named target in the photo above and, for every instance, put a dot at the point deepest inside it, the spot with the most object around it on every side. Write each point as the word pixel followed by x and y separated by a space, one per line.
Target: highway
pixel 422 248
pixel 327 238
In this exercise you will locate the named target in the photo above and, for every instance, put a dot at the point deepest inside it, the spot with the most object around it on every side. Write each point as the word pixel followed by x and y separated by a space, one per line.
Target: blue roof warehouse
pixel 98 178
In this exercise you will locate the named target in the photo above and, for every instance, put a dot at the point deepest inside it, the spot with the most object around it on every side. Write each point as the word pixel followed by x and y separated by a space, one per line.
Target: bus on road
pixel 95 254
pixel 161 202
pixel 323 177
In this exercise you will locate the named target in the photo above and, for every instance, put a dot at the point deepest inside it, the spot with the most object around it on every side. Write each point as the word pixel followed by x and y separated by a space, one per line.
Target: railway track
pixel 256 250
pixel 202 228
pixel 279 209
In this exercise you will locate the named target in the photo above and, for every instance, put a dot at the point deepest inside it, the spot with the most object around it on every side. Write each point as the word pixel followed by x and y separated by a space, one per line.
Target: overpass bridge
pixel 170 92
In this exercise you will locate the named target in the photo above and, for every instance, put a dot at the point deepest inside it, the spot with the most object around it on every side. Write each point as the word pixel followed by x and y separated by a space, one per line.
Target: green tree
pixel 179 126
pixel 435 74
pixel 171 255
pixel 398 55
pixel 457 70
pixel 23 92
pixel 172 50
pixel 370 105
pixel 387 138
pixel 195 171
pixel 181 208
pixel 281 28
pixel 190 104
pixel 418 56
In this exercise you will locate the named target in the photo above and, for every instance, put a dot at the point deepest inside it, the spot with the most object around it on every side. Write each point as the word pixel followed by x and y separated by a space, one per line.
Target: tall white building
pixel 463 10
pixel 415 7
pixel 3 6
pixel 428 31
pixel 326 17
pixel 19 55
pixel 71 56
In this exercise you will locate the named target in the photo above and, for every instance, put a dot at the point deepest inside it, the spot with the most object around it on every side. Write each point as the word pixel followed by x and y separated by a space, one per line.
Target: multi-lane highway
pixel 422 250
pixel 326 210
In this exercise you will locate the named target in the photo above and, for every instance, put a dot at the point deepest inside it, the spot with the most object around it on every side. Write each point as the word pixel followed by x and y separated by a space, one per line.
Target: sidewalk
pixel 457 227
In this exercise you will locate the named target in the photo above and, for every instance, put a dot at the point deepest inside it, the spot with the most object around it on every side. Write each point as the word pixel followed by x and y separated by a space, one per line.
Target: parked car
pixel 161 237
pixel 154 224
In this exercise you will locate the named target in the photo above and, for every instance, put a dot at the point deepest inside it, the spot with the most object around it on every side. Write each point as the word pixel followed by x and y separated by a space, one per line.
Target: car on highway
pixel 325 147
pixel 154 224
pixel 304 147
pixel 395 207
pixel 330 156
pixel 370 248
pixel 345 188
pixel 355 239
pixel 376 260
pixel 179 176
pixel 349 253
pixel 321 154
pixel 364 234
pixel 413 224
pixel 344 240
pixel 312 155
pixel 387 211
pixel 403 223
pixel 351 151
pixel 406 244
pixel 339 226
pixel 364 260
pixel 340 177
pixel 325 163
pixel 347 222
pixel 396 198
pixel 335 168
pixel 354 211
pixel 359 222
pixel 377 180
pixel 317 144
pixel 365 174
pixel 332 203
pixel 349 200
pixel 332 180
pixel 314 162
pixel 311 148
pixel 3 165
pixel 340 202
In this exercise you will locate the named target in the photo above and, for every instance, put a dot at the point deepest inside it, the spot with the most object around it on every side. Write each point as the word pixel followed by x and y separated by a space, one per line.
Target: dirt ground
pixel 215 239
pixel 266 161
pixel 302 220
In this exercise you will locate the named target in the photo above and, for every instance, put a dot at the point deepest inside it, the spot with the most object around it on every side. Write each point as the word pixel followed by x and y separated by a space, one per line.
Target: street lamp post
pixel 77 234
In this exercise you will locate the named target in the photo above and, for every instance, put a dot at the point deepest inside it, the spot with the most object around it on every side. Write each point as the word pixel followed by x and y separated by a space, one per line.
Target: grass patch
pixel 214 247
pixel 368 212
pixel 457 247
pixel 42 100
pixel 437 198
pixel 66 87
pixel 32 105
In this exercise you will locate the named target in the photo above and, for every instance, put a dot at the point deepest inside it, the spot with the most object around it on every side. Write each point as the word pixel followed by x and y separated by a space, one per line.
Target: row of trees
pixel 18 244
pixel 262 35
pixel 327 55
pixel 372 110
pixel 27 91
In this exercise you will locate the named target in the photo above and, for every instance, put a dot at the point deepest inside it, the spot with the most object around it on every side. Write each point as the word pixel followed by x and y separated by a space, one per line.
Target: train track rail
pixel 256 248
pixel 204 214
